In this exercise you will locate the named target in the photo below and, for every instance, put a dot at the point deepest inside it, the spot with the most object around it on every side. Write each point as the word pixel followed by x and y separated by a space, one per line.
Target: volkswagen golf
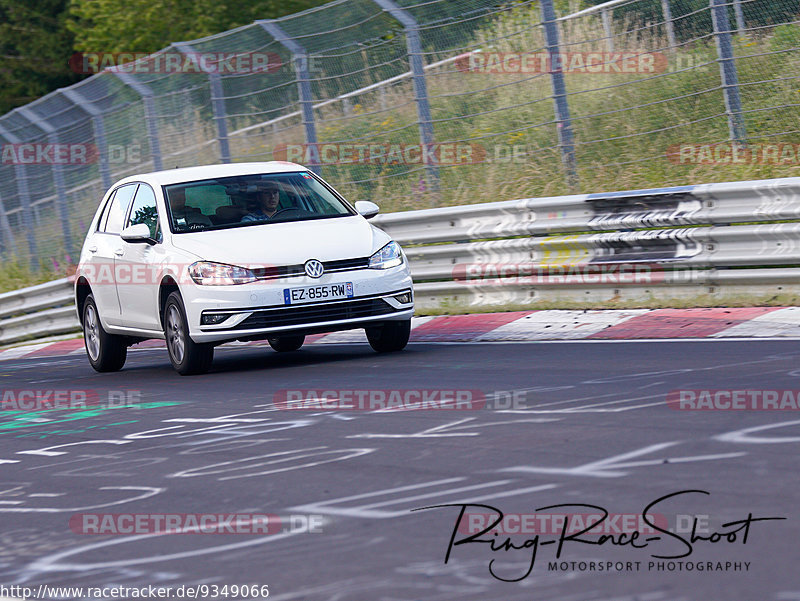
pixel 251 251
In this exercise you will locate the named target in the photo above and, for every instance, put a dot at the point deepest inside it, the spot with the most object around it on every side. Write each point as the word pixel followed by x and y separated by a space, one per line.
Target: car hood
pixel 290 243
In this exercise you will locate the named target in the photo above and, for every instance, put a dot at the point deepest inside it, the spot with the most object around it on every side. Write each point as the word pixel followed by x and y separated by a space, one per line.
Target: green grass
pixel 15 275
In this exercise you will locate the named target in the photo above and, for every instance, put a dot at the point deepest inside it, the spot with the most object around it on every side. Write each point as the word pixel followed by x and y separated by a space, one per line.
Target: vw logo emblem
pixel 314 269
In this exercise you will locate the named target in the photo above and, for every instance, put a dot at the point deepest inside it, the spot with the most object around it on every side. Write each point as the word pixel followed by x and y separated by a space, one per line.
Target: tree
pixel 149 25
pixel 35 47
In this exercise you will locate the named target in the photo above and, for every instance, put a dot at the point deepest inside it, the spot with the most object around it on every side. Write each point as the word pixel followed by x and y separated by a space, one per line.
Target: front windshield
pixel 245 200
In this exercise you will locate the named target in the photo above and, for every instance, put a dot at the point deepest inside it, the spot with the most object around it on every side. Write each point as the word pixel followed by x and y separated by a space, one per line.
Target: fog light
pixel 212 319
pixel 404 298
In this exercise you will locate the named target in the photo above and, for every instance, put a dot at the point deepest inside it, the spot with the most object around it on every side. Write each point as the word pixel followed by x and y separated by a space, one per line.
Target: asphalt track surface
pixel 595 429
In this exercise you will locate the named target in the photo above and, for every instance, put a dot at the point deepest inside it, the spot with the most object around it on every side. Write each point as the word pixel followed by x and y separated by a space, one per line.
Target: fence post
pixel 606 17
pixel 217 103
pixel 300 57
pixel 97 126
pixel 149 114
pixel 58 175
pixel 727 66
pixel 21 175
pixel 737 11
pixel 564 124
pixel 673 43
pixel 7 235
pixel 414 48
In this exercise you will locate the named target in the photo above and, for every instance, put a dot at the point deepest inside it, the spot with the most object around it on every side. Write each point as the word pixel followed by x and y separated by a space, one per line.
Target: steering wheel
pixel 276 213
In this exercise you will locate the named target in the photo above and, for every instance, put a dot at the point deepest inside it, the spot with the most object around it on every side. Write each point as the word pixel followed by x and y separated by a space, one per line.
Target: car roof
pixel 191 174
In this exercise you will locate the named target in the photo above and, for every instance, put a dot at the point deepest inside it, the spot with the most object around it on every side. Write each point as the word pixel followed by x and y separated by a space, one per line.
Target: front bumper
pixel 257 310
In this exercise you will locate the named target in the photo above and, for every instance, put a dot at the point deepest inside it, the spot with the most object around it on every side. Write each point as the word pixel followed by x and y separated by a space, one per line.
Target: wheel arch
pixel 167 286
pixel 82 291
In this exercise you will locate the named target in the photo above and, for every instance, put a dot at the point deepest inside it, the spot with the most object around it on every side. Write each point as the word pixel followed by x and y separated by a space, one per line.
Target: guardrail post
pixel 58 175
pixel 414 48
pixel 21 175
pixel 300 57
pixel 670 26
pixel 217 103
pixel 563 122
pixel 149 114
pixel 98 127
pixel 727 66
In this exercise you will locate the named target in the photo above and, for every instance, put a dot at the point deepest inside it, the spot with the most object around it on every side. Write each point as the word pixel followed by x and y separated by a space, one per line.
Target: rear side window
pixel 143 209
pixel 101 223
pixel 117 210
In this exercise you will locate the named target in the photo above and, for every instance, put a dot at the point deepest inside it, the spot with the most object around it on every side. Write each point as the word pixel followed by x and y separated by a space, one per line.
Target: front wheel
pixel 187 356
pixel 389 336
pixel 106 352
pixel 284 344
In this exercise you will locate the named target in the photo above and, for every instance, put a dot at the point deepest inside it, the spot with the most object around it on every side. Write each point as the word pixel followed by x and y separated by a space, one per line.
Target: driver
pixel 267 199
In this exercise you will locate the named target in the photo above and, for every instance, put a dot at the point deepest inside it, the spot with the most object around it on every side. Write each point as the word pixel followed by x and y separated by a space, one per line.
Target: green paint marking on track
pixel 28 419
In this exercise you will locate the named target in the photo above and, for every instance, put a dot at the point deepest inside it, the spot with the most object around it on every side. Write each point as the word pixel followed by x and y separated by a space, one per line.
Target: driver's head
pixel 268 196
pixel 177 198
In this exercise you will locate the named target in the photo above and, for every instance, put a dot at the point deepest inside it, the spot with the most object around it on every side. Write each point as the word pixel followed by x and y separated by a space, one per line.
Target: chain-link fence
pixel 421 103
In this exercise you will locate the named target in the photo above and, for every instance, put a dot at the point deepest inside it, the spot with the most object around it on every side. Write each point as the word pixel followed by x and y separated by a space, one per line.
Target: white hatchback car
pixel 249 251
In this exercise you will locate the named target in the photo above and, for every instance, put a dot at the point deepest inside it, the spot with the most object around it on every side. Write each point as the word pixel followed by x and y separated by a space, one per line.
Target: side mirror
pixel 367 209
pixel 138 232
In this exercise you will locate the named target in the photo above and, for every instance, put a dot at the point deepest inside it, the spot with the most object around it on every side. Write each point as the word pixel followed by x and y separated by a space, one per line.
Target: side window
pixel 101 223
pixel 118 209
pixel 143 209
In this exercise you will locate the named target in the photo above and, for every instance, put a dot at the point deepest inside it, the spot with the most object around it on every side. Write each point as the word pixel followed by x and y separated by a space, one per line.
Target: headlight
pixel 389 256
pixel 206 273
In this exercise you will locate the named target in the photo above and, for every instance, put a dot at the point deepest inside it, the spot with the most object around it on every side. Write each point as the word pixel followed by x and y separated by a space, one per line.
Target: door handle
pixel 92 249
pixel 119 252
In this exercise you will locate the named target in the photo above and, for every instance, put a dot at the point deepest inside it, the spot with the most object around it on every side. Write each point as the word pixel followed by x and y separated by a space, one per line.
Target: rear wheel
pixel 106 352
pixel 284 344
pixel 389 336
pixel 187 356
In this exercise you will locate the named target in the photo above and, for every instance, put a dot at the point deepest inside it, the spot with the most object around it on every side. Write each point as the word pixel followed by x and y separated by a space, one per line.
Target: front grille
pixel 345 264
pixel 300 315
pixel 285 271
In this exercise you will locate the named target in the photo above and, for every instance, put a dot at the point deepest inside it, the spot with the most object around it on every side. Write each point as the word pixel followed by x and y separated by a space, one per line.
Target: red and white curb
pixel 523 326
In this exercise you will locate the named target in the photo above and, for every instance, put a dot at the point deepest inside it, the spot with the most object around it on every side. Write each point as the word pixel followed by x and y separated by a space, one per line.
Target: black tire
pixel 106 352
pixel 286 343
pixel 389 336
pixel 187 356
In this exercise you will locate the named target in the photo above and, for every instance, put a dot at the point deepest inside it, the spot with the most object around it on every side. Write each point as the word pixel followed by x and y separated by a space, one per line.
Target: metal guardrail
pixel 38 311
pixel 740 238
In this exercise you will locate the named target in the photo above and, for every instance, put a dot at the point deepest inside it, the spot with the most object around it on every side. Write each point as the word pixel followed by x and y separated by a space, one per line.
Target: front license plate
pixel 311 294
